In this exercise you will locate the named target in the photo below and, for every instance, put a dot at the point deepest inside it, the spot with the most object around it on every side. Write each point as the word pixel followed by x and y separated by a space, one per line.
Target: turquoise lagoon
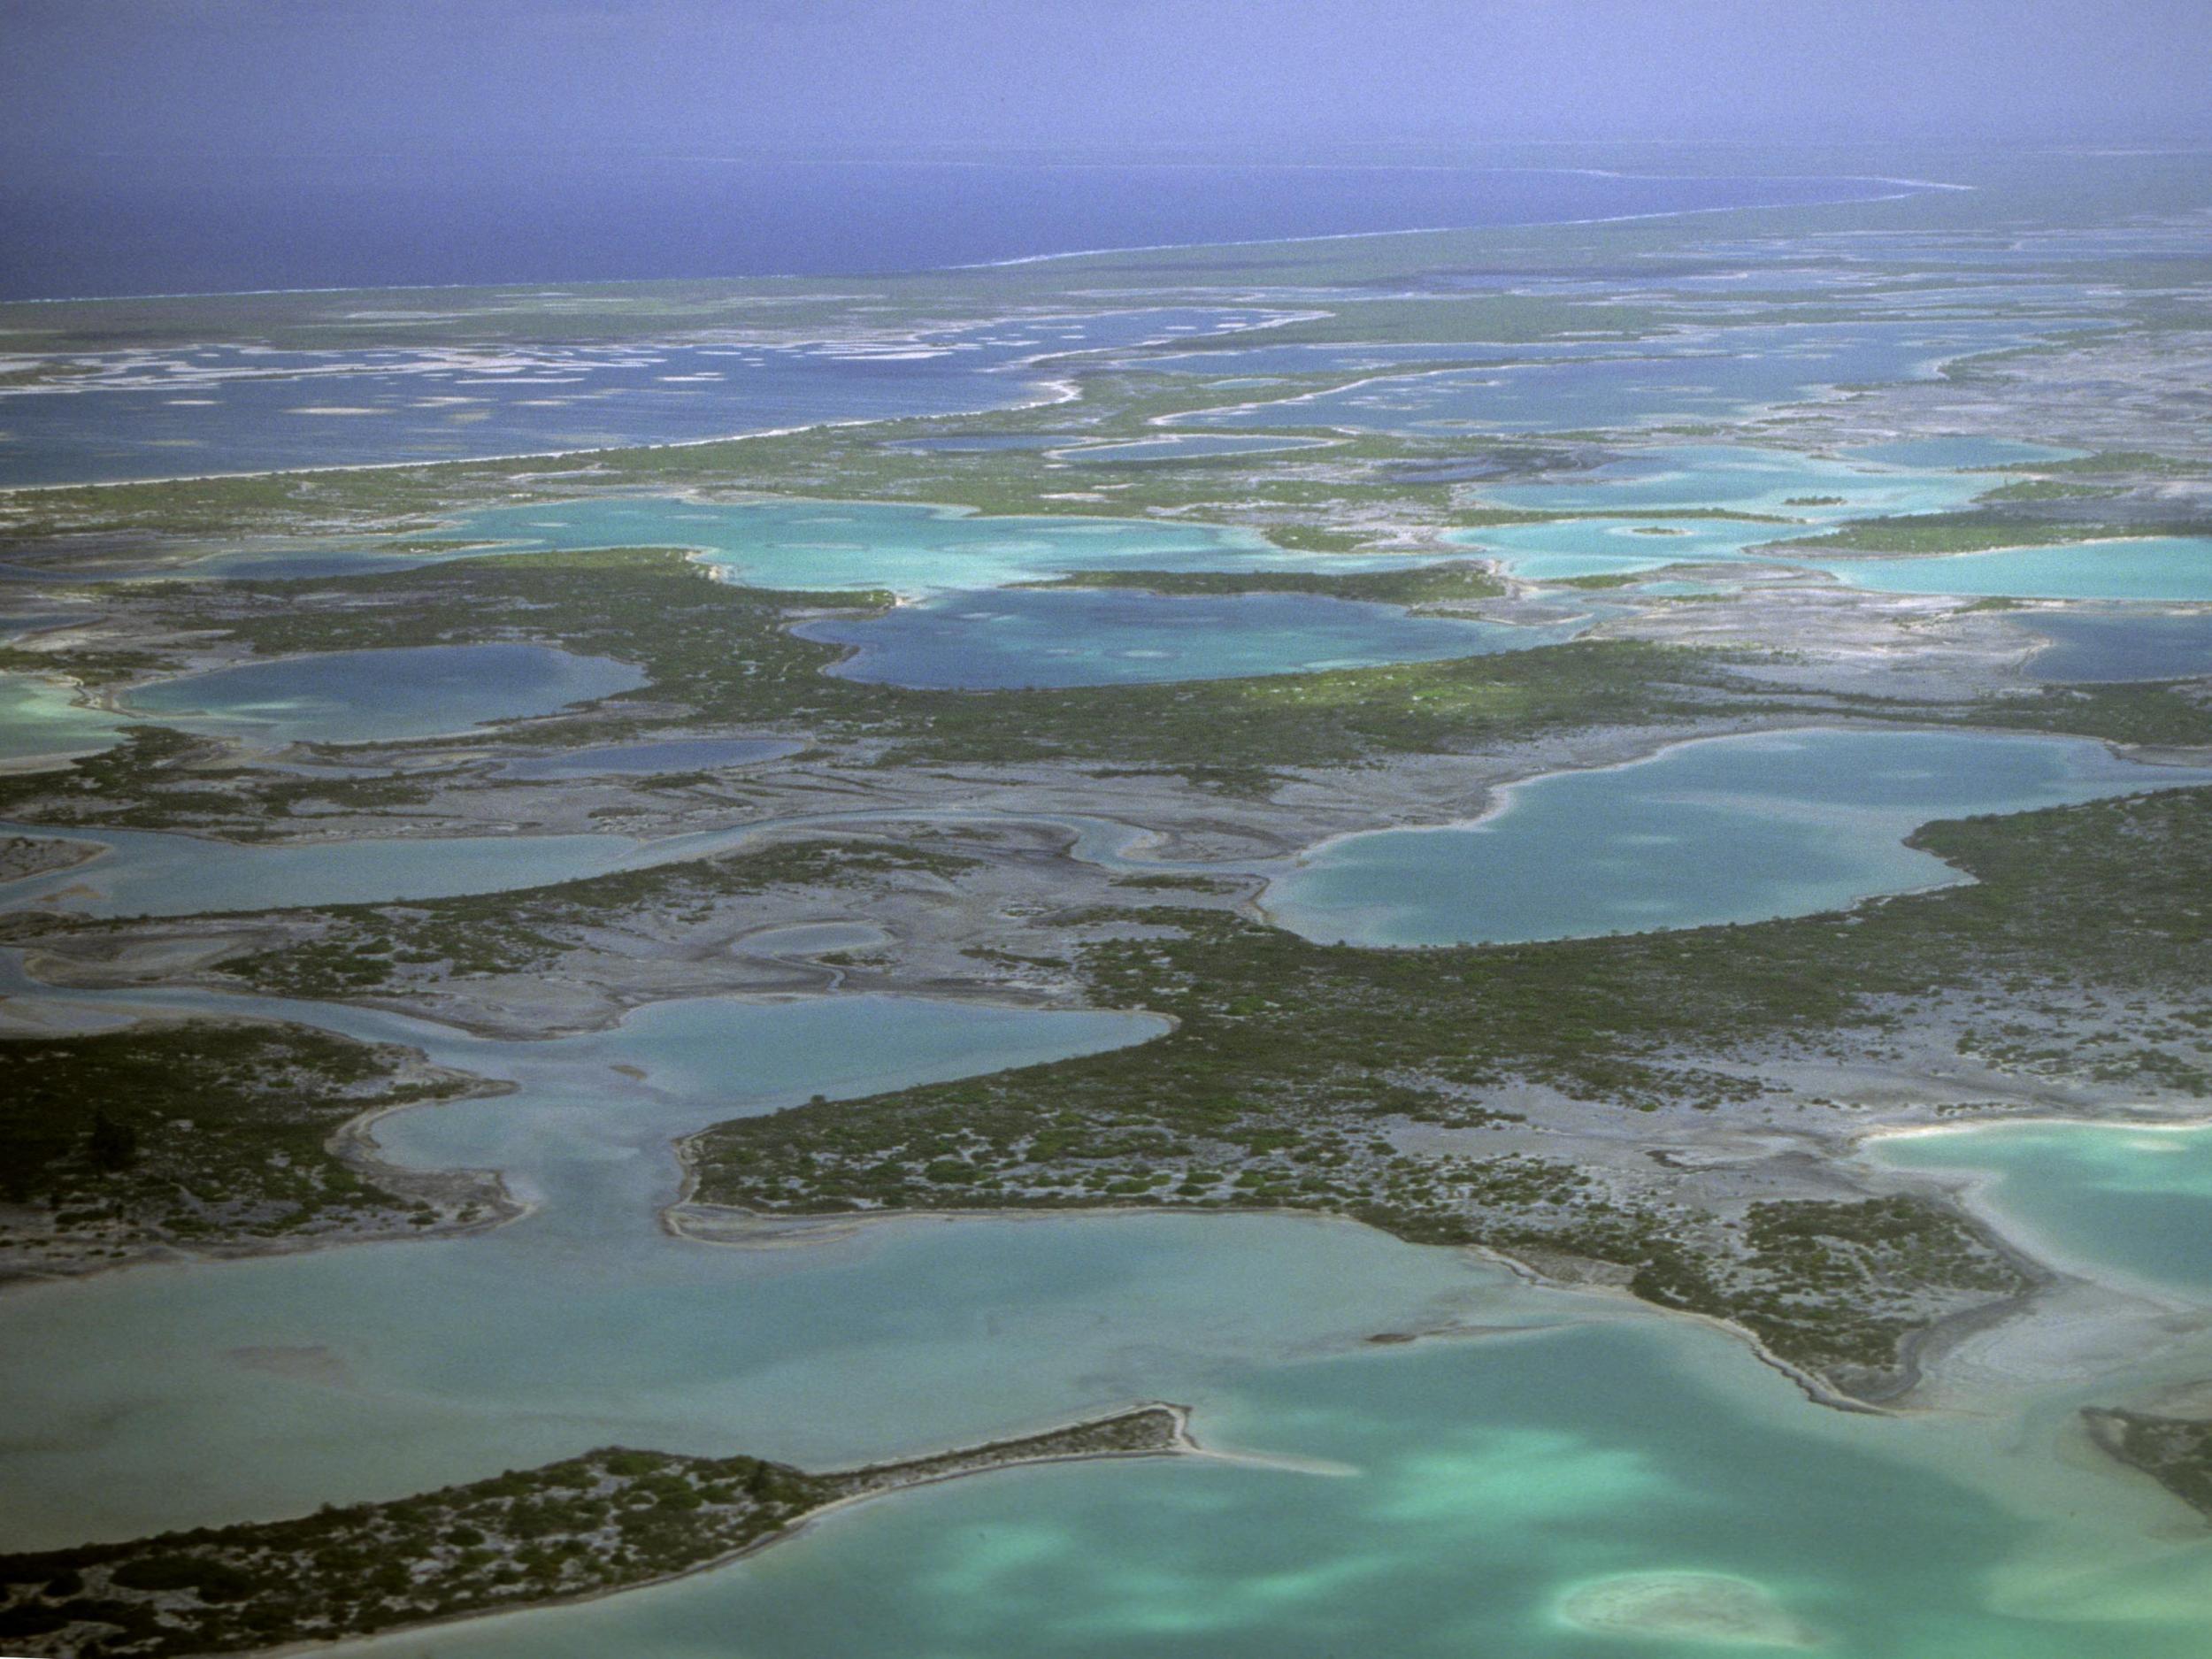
pixel 1731 829
pixel 376 695
pixel 913 550
pixel 1960 450
pixel 1805 493
pixel 1016 637
pixel 2130 1199
pixel 1451 1497
pixel 2165 569
pixel 1449 1501
pixel 42 722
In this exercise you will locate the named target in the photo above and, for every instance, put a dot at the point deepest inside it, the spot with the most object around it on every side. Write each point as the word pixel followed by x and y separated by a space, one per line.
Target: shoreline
pixel 1180 1443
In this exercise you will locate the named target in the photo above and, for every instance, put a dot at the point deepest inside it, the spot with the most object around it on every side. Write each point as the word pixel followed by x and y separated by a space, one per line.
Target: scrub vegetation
pixel 204 1135
pixel 610 1520
pixel 1302 1075
pixel 2175 1452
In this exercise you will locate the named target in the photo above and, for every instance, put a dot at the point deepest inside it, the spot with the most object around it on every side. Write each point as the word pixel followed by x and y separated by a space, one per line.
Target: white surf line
pixel 1916 185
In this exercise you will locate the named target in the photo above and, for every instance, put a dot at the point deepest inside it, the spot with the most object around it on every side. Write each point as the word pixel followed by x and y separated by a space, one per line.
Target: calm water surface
pixel 1731 829
pixel 367 696
pixel 2136 1200
pixel 2098 645
pixel 1013 637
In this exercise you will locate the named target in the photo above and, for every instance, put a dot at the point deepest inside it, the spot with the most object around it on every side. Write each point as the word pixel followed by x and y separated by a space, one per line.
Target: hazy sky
pixel 158 84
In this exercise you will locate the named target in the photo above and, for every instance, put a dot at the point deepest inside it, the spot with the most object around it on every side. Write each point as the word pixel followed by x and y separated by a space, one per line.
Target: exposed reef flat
pixel 608 1520
pixel 1686 1606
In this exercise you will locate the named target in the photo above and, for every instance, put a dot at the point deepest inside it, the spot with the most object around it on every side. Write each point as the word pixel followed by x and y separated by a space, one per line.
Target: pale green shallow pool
pixel 1461 1496
pixel 1480 1487
pixel 2131 1199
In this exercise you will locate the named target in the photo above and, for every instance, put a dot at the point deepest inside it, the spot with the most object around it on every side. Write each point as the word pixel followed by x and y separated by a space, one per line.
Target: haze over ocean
pixel 571 220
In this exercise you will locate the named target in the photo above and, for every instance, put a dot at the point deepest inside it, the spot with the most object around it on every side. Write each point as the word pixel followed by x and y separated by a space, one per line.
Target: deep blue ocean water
pixel 401 222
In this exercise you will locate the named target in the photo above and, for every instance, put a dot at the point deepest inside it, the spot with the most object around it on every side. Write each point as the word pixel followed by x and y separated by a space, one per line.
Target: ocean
pixel 403 222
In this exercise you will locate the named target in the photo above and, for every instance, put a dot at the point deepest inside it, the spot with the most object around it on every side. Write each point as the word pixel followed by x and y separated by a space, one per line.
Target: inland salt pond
pixel 1012 637
pixel 2130 1198
pixel 1733 829
pixel 365 696
pixel 1571 1461
pixel 851 546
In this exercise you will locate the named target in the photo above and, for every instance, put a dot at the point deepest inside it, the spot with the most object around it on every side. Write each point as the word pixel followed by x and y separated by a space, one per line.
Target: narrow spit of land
pixel 611 1520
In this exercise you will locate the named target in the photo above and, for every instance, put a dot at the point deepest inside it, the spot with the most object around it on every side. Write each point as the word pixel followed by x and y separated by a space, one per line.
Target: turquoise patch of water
pixel 1447 1501
pixel 1734 829
pixel 2136 1200
pixel 42 720
pixel 2167 569
pixel 1960 451
pixel 1012 638
pixel 846 546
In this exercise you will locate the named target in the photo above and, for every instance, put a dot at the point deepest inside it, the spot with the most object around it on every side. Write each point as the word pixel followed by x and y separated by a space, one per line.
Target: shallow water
pixel 2134 1200
pixel 42 718
pixel 1486 1484
pixel 1733 829
pixel 1741 478
pixel 1189 446
pixel 160 872
pixel 1014 637
pixel 1960 450
pixel 1616 546
pixel 265 1387
pixel 849 546
pixel 2111 645
pixel 2167 569
pixel 367 696
pixel 1483 1483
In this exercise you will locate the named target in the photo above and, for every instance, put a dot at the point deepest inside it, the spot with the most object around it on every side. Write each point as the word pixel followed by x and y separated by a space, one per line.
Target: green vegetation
pixel 1964 533
pixel 203 1133
pixel 715 651
pixel 610 1520
pixel 1296 1070
pixel 2175 1452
